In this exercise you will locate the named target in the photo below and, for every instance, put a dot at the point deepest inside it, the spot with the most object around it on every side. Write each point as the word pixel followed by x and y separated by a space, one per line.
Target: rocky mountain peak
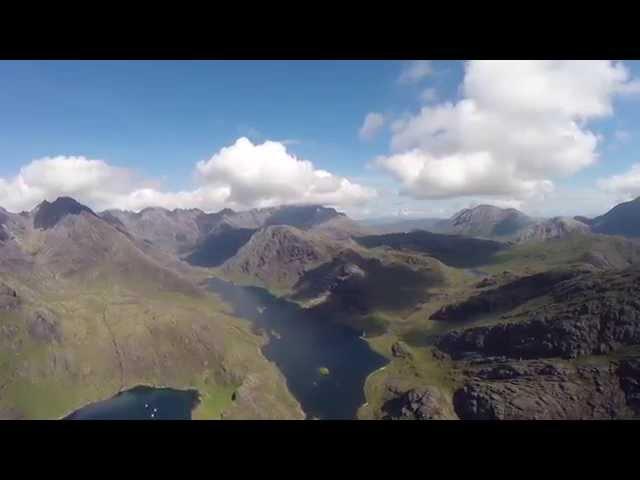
pixel 47 215
pixel 486 221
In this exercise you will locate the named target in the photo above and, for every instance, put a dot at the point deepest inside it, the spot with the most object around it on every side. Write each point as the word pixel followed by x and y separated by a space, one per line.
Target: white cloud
pixel 415 71
pixel 372 124
pixel 266 174
pixel 625 186
pixel 242 175
pixel 519 126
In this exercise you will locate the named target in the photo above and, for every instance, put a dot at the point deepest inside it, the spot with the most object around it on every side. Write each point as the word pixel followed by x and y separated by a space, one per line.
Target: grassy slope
pixel 126 322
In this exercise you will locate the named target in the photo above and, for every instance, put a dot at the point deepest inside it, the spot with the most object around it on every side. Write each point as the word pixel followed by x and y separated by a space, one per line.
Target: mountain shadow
pixel 218 247
pixel 453 250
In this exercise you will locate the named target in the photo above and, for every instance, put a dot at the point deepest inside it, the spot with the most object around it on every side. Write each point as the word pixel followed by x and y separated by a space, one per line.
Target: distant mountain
pixel 175 231
pixel 47 215
pixel 556 227
pixel 585 220
pixel 623 219
pixel 394 225
pixel 195 234
pixel 222 243
pixel 486 221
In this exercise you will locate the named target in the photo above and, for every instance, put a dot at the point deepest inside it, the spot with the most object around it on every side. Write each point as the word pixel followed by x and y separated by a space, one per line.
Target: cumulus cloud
pixel 415 71
pixel 266 174
pixel 625 185
pixel 518 126
pixel 243 175
pixel 373 123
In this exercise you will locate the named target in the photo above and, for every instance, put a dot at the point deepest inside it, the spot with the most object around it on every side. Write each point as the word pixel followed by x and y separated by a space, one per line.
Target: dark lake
pixel 325 363
pixel 141 403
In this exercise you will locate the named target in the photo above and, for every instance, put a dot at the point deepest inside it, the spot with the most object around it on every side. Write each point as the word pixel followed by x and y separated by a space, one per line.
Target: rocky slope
pixel 356 283
pixel 548 390
pixel 87 310
pixel 557 227
pixel 277 256
pixel 485 221
pixel 532 366
pixel 503 298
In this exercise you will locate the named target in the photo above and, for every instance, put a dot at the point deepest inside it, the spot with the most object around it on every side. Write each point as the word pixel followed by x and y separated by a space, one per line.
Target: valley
pixel 299 312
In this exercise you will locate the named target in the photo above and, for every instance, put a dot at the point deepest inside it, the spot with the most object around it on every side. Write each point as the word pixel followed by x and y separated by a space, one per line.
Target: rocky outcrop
pixel 542 391
pixel 425 403
pixel 401 350
pixel 9 299
pixel 505 297
pixel 512 371
pixel 44 327
pixel 584 330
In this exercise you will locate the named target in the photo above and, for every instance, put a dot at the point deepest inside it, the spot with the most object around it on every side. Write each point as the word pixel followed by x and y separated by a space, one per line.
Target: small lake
pixel 141 403
pixel 325 363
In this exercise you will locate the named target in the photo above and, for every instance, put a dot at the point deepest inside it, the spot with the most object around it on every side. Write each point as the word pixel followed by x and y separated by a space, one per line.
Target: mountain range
pixel 488 314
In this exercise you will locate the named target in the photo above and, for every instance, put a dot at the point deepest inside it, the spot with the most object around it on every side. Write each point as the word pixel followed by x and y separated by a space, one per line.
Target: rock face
pixel 589 329
pixel 426 403
pixel 592 313
pixel 556 227
pixel 505 297
pixel 542 391
pixel 485 221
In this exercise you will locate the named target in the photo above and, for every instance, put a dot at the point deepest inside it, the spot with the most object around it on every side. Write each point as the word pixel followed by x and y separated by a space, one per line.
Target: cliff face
pixel 548 390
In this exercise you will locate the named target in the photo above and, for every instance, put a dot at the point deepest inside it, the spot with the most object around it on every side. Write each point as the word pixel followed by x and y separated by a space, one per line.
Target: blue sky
pixel 159 118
